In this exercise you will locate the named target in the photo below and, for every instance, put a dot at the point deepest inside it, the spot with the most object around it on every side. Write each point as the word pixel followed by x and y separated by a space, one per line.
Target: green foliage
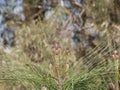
pixel 28 64
pixel 91 72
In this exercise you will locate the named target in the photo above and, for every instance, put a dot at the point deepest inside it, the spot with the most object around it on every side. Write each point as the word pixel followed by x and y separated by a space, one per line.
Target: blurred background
pixel 59 44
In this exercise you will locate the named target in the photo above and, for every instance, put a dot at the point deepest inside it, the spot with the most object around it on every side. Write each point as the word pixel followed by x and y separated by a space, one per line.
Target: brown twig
pixel 37 14
pixel 82 11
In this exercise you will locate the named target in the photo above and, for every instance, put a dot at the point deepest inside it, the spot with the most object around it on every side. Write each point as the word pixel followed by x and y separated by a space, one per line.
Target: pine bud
pixel 56 49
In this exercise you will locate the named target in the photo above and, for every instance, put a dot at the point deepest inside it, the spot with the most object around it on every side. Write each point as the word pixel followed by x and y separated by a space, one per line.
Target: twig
pixel 82 12
pixel 37 14
pixel 68 22
pixel 117 27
